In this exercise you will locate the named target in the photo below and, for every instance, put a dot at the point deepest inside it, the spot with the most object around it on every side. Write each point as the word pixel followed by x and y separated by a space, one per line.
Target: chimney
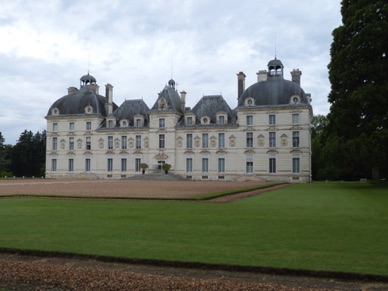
pixel 183 100
pixel 295 76
pixel 262 75
pixel 240 84
pixel 109 97
pixel 72 90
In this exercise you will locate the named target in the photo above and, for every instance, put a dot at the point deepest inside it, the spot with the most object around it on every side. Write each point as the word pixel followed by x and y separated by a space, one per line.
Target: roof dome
pixel 274 91
pixel 80 102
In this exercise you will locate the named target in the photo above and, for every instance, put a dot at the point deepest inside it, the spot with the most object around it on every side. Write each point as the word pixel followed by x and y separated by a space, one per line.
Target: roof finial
pixel 275 46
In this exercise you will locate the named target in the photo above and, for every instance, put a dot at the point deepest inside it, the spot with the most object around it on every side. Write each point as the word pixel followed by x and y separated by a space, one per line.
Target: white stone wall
pixel 236 153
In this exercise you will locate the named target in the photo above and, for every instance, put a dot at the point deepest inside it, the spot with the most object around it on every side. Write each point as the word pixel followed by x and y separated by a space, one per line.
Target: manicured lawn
pixel 334 227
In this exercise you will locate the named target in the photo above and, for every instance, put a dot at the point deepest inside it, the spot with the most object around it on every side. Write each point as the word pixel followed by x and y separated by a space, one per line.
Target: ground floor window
pixel 137 165
pixel 123 165
pixel 295 165
pixel 205 165
pixel 110 165
pixel 71 165
pixel 189 164
pixel 221 165
pixel 272 165
pixel 87 165
pixel 249 167
pixel 53 165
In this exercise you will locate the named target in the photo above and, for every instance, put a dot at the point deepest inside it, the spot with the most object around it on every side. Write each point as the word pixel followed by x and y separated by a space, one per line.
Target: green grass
pixel 331 227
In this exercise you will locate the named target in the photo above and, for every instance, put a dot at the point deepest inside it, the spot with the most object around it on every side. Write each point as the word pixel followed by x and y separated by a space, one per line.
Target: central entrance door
pixel 160 165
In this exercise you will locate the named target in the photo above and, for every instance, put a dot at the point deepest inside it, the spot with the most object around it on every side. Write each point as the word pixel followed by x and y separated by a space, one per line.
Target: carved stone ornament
pixel 260 140
pixel 146 142
pixel 63 143
pixel 213 142
pixel 130 142
pixel 101 143
pixel 117 143
pixel 197 141
pixel 179 142
pixel 232 141
pixel 79 143
pixel 283 140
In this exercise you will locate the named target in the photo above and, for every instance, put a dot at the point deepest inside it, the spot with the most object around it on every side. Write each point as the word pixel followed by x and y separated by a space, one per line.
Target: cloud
pixel 138 46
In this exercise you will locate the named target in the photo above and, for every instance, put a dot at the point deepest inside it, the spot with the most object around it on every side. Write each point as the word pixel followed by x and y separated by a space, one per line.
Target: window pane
pixel 272 165
pixel 295 138
pixel 71 143
pixel 205 140
pixel 161 141
pixel 249 120
pixel 295 118
pixel 138 141
pixel 272 139
pixel 189 141
pixel 249 139
pixel 272 119
pixel 110 142
pixel 221 165
pixel 295 165
pixel 124 142
pixel 189 165
pixel 87 165
pixel 123 165
pixel 55 143
pixel 221 140
pixel 161 122
pixel 53 165
pixel 205 164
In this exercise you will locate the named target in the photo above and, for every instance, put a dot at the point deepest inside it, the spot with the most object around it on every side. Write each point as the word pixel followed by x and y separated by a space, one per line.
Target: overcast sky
pixel 137 46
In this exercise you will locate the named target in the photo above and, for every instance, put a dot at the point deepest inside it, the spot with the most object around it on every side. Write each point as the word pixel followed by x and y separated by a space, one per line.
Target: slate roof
pixel 210 106
pixel 130 108
pixel 171 96
pixel 75 103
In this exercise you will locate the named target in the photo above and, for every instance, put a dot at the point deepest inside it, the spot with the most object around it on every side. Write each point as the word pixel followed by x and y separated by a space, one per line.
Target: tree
pixel 28 155
pixel 358 73
pixel 318 127
pixel 5 157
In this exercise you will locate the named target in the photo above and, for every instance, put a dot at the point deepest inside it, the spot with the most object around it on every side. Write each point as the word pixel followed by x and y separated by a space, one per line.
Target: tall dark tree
pixel 5 157
pixel 28 155
pixel 358 72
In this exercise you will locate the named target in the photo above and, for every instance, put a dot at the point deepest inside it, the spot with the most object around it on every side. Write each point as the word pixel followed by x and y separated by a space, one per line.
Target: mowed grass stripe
pixel 332 227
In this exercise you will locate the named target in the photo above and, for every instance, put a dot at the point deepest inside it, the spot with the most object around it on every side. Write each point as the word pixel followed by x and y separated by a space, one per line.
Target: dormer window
pixel 124 123
pixel 221 118
pixel 88 109
pixel 110 123
pixel 249 101
pixel 138 121
pixel 205 120
pixel 295 99
pixel 189 120
pixel 162 104
pixel 55 111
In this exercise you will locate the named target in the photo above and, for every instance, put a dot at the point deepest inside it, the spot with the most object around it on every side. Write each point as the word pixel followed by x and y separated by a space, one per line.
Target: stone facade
pixel 266 137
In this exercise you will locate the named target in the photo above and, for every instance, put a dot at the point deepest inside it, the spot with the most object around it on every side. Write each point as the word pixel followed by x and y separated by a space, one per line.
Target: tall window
pixel 221 165
pixel 71 165
pixel 189 120
pixel 71 126
pixel 189 164
pixel 53 165
pixel 88 143
pixel 272 165
pixel 55 143
pixel 249 139
pixel 249 164
pixel 221 140
pixel 295 138
pixel 161 122
pixel 221 119
pixel 110 164
pixel 123 142
pixel 161 141
pixel 87 164
pixel 137 122
pixel 110 123
pixel 123 165
pixel 110 142
pixel 205 140
pixel 295 118
pixel 205 165
pixel 295 165
pixel 272 139
pixel 88 125
pixel 249 120
pixel 189 141
pixel 272 119
pixel 55 126
pixel 137 164
pixel 138 141
pixel 71 143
